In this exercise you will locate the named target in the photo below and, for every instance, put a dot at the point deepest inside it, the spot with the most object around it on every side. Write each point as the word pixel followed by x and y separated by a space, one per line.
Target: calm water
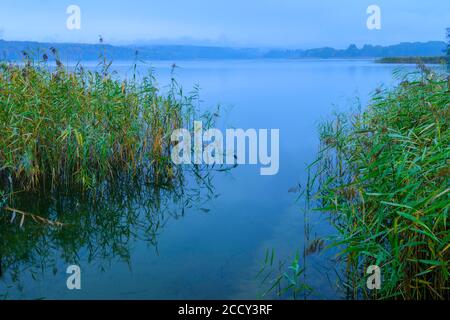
pixel 213 245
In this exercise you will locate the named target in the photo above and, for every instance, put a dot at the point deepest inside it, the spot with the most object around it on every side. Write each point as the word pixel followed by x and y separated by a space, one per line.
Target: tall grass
pixel 382 175
pixel 60 127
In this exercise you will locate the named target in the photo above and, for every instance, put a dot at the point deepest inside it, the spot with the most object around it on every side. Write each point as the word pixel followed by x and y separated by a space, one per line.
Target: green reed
pixel 61 127
pixel 382 175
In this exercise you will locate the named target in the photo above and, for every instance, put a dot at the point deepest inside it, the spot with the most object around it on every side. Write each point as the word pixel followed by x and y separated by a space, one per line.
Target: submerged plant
pixel 281 281
pixel 382 176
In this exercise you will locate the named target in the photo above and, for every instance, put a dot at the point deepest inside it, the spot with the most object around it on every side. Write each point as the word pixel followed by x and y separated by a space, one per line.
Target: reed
pixel 62 128
pixel 382 175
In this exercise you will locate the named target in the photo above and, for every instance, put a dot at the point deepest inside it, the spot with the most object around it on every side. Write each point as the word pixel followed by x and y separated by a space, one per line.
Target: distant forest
pixel 14 50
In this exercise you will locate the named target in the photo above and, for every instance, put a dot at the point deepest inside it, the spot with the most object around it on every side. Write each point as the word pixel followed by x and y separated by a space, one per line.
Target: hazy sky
pixel 275 23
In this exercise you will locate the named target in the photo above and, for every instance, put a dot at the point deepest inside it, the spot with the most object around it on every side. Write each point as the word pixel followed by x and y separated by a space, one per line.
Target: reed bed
pixel 382 175
pixel 65 128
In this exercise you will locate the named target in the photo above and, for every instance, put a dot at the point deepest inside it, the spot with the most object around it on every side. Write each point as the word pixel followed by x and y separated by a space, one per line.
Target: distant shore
pixel 413 60
pixel 15 51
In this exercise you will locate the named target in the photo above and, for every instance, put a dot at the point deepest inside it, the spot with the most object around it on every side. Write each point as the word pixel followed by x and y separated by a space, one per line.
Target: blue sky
pixel 265 23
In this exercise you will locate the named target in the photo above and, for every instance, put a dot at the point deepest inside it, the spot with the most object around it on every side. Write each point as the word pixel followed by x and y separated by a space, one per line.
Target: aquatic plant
pixel 281 281
pixel 382 176
pixel 61 127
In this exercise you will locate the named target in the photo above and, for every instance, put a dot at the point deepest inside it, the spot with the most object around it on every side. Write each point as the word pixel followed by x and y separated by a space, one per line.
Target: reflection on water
pixel 99 226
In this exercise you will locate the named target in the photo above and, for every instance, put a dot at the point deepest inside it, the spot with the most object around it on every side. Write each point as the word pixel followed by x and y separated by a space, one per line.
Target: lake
pixel 214 246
